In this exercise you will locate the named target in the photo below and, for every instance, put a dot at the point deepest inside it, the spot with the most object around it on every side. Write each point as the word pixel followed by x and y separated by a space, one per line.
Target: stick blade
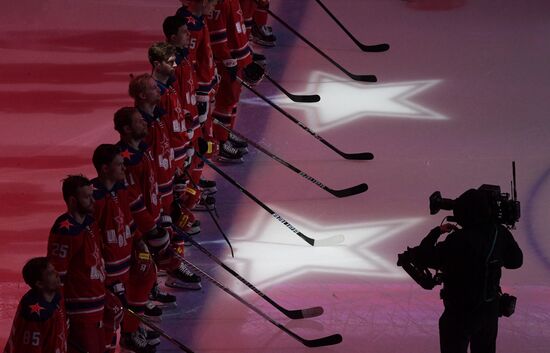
pixel 314 98
pixel 376 48
pixel 354 190
pixel 363 78
pixel 312 312
pixel 330 241
pixel 324 341
pixel 363 156
pixel 304 313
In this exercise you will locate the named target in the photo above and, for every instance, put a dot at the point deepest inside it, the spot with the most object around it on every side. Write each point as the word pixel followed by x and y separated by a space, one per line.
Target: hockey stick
pixel 375 48
pixel 324 341
pixel 213 217
pixel 365 78
pixel 293 314
pixel 354 190
pixel 354 156
pixel 294 97
pixel 334 240
pixel 160 331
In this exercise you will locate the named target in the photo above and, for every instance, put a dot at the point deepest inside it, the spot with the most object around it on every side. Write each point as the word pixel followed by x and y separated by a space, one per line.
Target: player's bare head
pixel 39 274
pixel 161 53
pixel 143 89
pixel 72 183
pixel 108 163
pixel 130 124
pixel 77 193
pixel 176 32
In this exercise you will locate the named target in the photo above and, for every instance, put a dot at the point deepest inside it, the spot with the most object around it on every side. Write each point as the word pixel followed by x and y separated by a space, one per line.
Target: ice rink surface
pixel 462 93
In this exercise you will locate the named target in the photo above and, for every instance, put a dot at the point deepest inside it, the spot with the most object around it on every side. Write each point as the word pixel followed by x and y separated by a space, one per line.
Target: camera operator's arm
pixel 428 252
pixel 434 234
pixel 513 256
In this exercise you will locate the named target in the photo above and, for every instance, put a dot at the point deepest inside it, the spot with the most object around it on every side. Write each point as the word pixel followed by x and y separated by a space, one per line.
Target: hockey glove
pixel 253 73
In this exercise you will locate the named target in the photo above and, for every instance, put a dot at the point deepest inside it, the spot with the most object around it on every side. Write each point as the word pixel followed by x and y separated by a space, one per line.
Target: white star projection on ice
pixel 342 102
pixel 268 254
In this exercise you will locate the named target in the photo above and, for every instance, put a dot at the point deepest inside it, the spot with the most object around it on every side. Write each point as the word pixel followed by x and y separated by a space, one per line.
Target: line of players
pixel 103 254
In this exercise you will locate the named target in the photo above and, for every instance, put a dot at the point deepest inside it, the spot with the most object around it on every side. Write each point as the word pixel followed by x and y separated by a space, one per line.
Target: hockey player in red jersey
pixel 146 94
pixel 141 178
pixel 232 55
pixel 40 323
pixel 200 56
pixel 162 57
pixel 126 256
pixel 74 249
pixel 176 33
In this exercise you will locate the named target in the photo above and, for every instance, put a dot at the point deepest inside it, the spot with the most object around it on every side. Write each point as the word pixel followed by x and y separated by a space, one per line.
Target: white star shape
pixel 268 254
pixel 343 102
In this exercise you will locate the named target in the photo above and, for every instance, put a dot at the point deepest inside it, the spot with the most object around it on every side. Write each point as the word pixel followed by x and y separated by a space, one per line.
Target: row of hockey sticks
pixel 374 48
pixel 319 342
pixel 364 78
pixel 352 156
pixel 354 190
pixel 333 240
pixel 212 216
pixel 292 314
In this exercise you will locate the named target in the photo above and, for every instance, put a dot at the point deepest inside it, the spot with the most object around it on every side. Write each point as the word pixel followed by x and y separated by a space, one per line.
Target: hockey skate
pixel 263 35
pixel 229 154
pixel 153 312
pixel 208 186
pixel 163 299
pixel 183 278
pixel 135 342
pixel 152 337
pixel 206 203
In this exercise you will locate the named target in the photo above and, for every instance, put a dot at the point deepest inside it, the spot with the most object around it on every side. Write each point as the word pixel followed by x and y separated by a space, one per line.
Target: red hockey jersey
pixel 228 36
pixel 186 86
pixel 200 53
pixel 38 326
pixel 74 249
pixel 174 119
pixel 142 185
pixel 115 222
pixel 158 139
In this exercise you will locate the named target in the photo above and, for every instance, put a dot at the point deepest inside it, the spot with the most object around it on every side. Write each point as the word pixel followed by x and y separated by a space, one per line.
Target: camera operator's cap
pixel 472 208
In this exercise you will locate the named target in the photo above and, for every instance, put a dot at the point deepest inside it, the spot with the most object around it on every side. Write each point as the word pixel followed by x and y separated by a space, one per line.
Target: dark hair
pixel 104 154
pixel 123 117
pixel 72 183
pixel 33 270
pixel 138 85
pixel 172 24
pixel 161 51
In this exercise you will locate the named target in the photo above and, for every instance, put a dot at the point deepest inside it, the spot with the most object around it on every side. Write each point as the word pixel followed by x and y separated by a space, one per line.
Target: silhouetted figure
pixel 470 260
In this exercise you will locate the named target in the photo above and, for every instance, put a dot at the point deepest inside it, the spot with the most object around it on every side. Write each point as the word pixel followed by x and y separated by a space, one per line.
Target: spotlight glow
pixel 267 255
pixel 343 102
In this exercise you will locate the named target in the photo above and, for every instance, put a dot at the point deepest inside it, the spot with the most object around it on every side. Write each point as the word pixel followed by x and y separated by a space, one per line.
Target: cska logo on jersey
pixel 165 153
pixel 98 270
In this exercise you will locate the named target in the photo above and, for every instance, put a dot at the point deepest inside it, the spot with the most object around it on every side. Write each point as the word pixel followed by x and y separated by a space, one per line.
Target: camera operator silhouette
pixel 469 263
